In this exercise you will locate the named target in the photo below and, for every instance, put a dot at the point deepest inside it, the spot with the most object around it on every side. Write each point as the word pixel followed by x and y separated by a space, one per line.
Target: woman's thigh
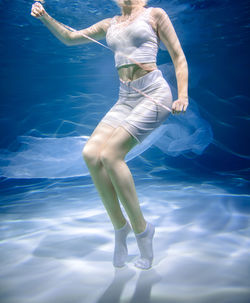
pixel 99 137
pixel 118 145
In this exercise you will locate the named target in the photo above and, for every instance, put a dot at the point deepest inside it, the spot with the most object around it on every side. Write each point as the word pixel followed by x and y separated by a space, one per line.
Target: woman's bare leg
pixel 112 157
pixel 91 154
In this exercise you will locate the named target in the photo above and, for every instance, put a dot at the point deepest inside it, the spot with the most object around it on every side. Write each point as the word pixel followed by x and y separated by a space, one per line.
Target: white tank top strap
pixel 113 20
pixel 148 11
pixel 146 15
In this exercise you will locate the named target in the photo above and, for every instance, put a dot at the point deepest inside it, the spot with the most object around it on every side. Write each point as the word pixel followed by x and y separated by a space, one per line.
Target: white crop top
pixel 137 40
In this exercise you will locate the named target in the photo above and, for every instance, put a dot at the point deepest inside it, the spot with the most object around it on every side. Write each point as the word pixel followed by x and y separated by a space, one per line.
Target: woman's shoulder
pixel 114 19
pixel 157 12
pixel 104 24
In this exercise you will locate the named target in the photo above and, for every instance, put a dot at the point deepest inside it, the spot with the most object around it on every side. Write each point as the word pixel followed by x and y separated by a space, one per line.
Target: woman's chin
pixel 123 3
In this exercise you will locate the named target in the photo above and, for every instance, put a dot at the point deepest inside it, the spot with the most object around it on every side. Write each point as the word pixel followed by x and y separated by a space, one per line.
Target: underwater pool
pixel 191 174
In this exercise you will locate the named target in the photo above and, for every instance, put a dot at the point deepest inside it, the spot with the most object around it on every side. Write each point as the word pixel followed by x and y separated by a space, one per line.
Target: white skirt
pixel 137 113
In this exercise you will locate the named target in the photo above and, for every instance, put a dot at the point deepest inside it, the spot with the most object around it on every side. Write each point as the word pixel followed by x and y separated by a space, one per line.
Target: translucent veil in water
pixel 40 157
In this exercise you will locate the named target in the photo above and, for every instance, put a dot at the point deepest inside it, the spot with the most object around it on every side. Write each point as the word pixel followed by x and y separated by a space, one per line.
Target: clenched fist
pixel 37 10
pixel 180 105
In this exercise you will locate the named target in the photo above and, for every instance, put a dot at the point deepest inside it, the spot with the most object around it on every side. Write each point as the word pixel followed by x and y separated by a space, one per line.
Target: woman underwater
pixel 145 101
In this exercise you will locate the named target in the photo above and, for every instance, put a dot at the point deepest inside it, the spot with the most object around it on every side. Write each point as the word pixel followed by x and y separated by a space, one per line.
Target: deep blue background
pixel 39 75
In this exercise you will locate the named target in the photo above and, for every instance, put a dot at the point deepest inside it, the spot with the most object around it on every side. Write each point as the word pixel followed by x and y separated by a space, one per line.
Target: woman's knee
pixel 104 157
pixel 117 147
pixel 108 157
pixel 97 141
pixel 91 154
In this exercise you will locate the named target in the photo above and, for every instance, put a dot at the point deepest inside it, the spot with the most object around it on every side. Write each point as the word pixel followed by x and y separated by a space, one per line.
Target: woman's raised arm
pixel 96 31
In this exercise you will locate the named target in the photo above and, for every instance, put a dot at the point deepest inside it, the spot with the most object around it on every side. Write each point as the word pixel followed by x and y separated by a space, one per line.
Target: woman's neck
pixel 129 10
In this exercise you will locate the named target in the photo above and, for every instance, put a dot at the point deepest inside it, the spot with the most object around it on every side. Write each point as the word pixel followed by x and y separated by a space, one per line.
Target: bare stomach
pixel 133 71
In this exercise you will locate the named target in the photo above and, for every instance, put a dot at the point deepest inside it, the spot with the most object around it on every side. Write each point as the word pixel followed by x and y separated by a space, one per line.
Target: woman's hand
pixel 37 10
pixel 180 105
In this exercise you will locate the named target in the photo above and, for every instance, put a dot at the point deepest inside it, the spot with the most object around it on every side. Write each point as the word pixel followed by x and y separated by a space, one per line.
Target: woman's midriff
pixel 133 71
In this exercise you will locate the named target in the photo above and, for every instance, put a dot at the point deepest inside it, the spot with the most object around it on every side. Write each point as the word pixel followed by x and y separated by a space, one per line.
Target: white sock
pixel 121 250
pixel 145 244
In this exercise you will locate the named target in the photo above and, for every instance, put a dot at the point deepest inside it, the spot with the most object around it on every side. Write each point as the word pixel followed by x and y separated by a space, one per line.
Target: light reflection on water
pixel 57 244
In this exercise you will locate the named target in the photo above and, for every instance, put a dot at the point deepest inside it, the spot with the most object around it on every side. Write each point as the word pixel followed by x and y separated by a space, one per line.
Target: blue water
pixel 191 174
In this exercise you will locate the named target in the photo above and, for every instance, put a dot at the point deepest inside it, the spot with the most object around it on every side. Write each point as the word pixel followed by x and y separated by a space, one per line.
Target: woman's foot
pixel 121 250
pixel 145 244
